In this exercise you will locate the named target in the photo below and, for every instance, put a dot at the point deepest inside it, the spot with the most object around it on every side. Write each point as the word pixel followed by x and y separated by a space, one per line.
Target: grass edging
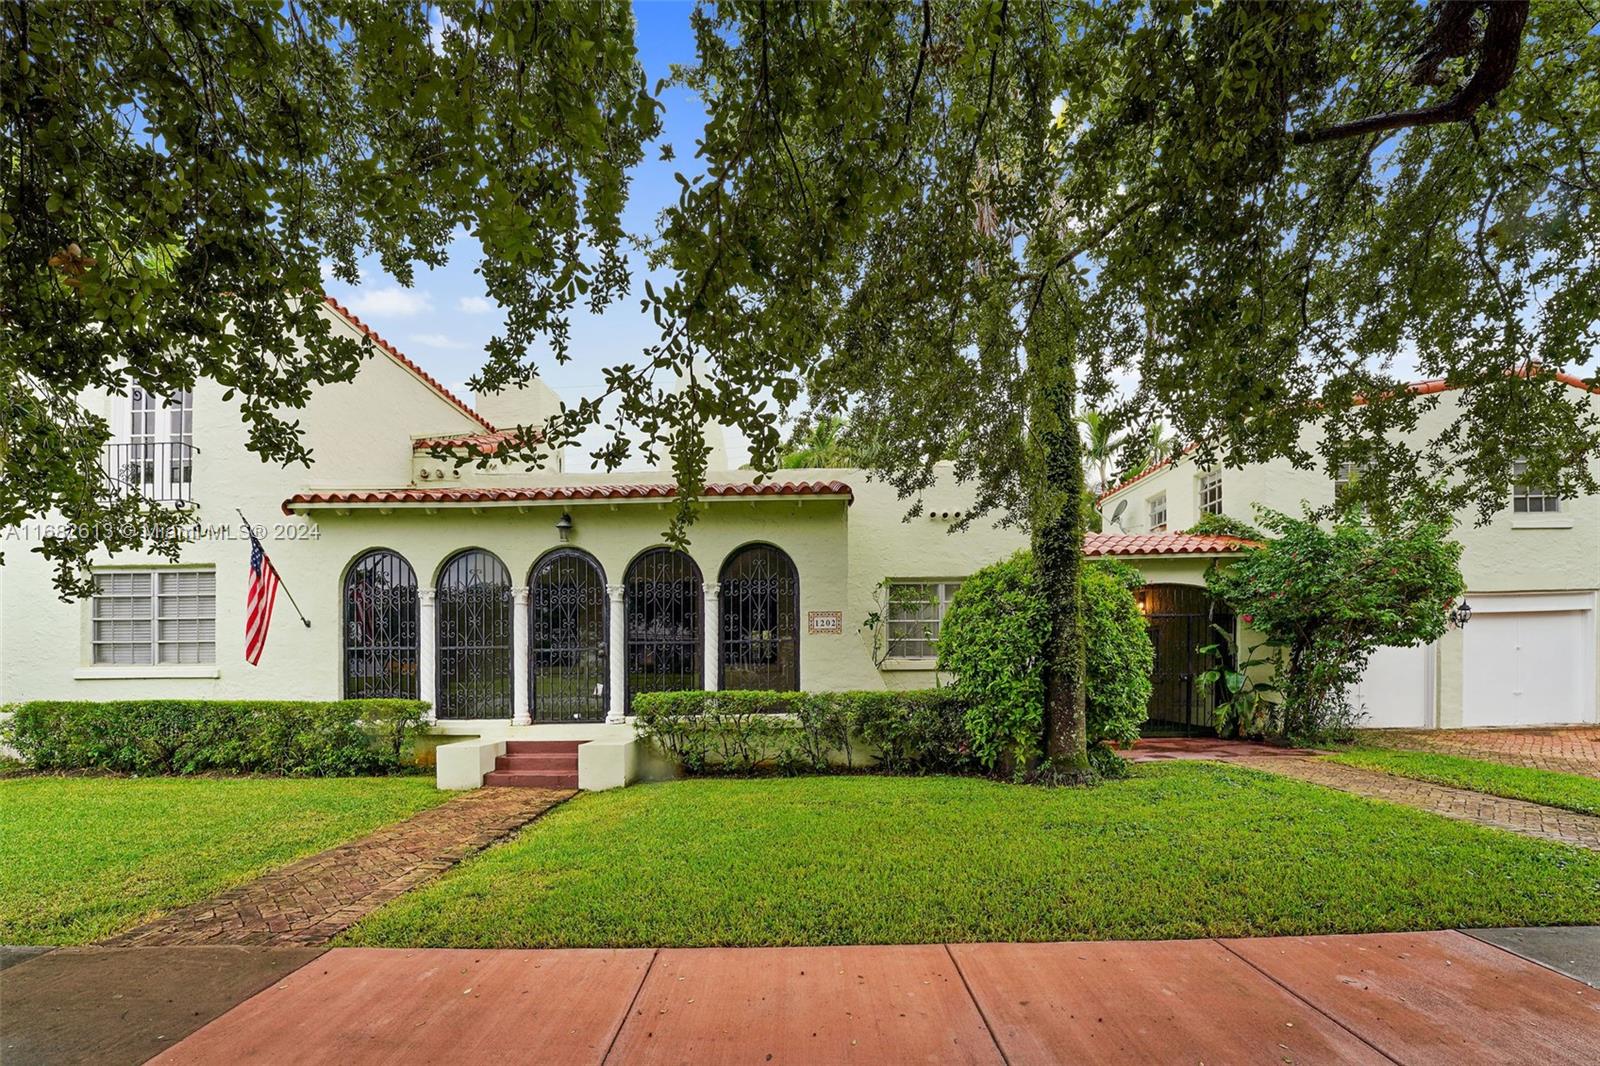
pixel 1572 792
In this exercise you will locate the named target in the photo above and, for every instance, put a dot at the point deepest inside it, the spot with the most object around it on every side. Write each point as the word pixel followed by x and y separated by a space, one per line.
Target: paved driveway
pixel 1569 749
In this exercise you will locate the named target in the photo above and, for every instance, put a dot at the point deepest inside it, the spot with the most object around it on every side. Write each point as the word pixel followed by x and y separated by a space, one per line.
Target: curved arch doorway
pixel 568 618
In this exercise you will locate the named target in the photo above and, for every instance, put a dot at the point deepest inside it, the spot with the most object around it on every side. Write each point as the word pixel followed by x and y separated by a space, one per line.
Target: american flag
pixel 258 601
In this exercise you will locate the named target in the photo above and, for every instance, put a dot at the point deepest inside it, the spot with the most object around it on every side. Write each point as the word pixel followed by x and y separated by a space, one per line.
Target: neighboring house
pixel 1526 657
pixel 518 603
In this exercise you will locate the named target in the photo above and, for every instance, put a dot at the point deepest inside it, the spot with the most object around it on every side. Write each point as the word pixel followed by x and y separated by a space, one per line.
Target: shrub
pixel 920 731
pixel 992 640
pixel 1328 597
pixel 332 738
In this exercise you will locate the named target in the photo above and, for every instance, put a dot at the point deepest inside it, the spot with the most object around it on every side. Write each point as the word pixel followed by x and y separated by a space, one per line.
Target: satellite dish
pixel 1116 516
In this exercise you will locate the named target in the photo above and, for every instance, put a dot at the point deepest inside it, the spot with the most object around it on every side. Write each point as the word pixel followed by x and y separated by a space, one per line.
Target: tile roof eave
pixel 484 496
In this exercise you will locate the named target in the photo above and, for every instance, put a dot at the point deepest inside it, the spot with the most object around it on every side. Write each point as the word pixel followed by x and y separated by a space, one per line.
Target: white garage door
pixel 1528 660
pixel 1396 691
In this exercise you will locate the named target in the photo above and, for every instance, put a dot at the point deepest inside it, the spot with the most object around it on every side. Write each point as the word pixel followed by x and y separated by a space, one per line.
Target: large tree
pixel 173 175
pixel 953 219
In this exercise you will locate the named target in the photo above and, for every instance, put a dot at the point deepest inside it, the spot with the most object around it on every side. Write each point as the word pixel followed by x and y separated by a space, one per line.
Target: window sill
pixel 159 671
pixel 1542 521
pixel 927 666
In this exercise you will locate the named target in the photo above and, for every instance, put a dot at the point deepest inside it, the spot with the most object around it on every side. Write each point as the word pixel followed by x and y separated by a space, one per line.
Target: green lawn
pixel 1571 791
pixel 1179 850
pixel 84 857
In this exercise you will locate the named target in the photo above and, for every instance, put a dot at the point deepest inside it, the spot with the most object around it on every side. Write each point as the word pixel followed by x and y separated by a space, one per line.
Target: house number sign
pixel 825 621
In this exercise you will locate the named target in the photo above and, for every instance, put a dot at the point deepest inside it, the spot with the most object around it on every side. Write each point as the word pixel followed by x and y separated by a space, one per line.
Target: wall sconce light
pixel 564 527
pixel 1461 613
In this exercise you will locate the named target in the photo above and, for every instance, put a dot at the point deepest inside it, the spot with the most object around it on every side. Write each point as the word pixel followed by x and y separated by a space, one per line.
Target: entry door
pixel 1396 691
pixel 1528 666
pixel 1180 620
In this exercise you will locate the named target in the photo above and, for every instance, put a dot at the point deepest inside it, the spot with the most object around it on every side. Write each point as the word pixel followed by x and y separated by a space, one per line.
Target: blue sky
pixel 443 320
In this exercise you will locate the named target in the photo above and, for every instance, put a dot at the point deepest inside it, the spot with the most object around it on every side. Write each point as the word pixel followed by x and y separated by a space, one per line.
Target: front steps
pixel 536 764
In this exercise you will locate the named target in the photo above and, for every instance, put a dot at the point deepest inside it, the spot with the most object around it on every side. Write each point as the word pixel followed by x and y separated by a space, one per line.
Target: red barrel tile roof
pixel 1100 544
pixel 557 493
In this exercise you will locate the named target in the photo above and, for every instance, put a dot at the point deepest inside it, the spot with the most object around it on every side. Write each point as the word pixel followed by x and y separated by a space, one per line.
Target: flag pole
pixel 248 528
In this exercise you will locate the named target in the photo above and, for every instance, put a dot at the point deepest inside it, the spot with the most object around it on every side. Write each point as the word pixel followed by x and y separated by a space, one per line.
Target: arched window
pixel 380 628
pixel 474 615
pixel 662 622
pixel 568 620
pixel 759 646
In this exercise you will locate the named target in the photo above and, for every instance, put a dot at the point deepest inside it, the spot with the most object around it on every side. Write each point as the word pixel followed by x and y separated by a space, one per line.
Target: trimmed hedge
pixel 913 732
pixel 302 738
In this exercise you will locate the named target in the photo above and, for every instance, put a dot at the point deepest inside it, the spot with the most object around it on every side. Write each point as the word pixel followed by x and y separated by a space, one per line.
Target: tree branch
pixel 1497 63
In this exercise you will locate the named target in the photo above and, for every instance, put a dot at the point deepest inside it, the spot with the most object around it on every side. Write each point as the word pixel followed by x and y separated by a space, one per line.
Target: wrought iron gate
pixel 759 646
pixel 380 628
pixel 1180 619
pixel 662 619
pixel 567 628
pixel 474 610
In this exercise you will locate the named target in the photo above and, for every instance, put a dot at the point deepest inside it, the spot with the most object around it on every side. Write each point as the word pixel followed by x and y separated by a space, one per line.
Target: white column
pixel 712 641
pixel 519 659
pixel 427 637
pixel 617 644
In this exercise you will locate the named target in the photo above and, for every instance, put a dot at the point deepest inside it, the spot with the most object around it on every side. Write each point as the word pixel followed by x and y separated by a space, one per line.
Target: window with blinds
pixel 148 617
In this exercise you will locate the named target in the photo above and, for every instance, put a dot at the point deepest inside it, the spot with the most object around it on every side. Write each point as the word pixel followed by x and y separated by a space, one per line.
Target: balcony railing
pixel 161 470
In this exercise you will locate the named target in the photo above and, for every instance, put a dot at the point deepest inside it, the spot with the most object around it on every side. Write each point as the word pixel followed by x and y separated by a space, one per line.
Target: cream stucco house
pixel 521 604
pixel 1526 657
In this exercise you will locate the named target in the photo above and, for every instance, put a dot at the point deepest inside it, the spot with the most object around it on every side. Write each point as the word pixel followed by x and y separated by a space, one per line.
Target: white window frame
pixel 160 650
pixel 1157 506
pixel 1524 496
pixel 1210 501
pixel 943 590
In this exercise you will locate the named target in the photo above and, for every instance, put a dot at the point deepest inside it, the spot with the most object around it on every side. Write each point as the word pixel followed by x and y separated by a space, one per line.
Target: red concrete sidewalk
pixel 1439 997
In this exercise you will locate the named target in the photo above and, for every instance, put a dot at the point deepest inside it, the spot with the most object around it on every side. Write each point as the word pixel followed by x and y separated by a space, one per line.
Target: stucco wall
pixel 360 436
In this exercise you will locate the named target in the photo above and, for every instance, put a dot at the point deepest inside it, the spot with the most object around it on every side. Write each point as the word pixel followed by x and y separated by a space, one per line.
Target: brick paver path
pixel 1518 816
pixel 1571 750
pixel 315 899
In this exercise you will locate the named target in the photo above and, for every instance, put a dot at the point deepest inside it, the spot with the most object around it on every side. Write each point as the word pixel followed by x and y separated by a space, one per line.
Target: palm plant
pixel 1099 447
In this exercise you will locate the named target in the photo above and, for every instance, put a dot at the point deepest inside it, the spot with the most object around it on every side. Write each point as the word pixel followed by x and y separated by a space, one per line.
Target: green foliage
pixel 992 640
pixel 84 857
pixel 302 738
pixel 173 176
pixel 917 731
pixel 1573 792
pixel 825 441
pixel 1176 851
pixel 1221 525
pixel 1252 707
pixel 1327 598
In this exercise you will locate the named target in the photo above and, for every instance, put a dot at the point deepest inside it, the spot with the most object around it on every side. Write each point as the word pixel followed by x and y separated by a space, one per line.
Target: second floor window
pixel 1211 493
pixel 1530 499
pixel 1158 513
pixel 915 611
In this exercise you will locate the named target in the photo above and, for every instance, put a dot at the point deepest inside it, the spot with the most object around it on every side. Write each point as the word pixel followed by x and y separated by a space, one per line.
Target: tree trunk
pixel 1057 530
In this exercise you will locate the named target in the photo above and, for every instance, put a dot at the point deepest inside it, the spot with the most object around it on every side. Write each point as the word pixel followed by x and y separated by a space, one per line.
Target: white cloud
pixel 440 340
pixel 475 305
pixel 390 300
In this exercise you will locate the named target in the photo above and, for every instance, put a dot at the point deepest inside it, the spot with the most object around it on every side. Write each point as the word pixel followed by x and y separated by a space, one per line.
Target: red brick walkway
pixel 315 899
pixel 1518 816
pixel 1572 750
